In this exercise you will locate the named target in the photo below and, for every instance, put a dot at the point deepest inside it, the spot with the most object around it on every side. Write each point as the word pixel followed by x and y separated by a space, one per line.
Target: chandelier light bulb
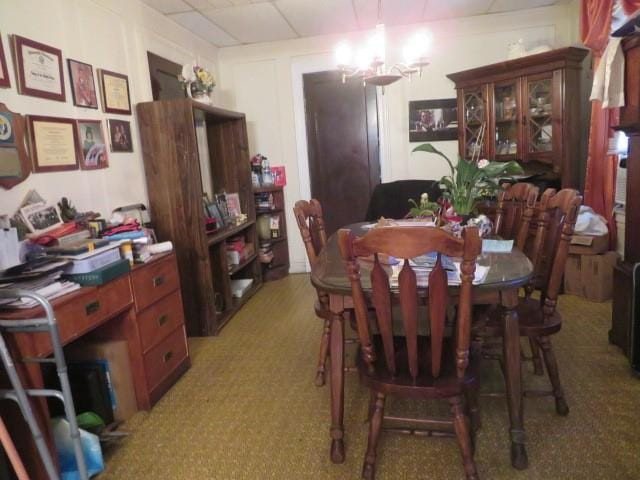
pixel 363 59
pixel 377 44
pixel 343 54
pixel 416 49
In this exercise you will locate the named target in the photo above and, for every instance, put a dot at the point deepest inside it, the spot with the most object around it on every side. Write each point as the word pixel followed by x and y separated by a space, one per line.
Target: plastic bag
pixel 590 223
pixel 90 447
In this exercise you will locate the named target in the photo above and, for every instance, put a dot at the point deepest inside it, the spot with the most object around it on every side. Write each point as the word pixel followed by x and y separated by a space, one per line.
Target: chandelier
pixel 368 61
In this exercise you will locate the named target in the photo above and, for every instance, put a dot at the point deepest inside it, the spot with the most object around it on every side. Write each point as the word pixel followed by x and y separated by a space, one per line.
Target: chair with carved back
pixel 437 366
pixel 516 208
pixel 311 225
pixel 539 318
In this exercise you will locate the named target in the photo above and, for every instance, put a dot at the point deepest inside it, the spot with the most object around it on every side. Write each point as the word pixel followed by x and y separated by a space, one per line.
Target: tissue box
pixel 590 276
pixel 589 244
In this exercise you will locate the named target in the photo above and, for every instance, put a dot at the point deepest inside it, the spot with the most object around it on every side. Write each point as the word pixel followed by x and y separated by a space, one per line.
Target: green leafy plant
pixel 424 209
pixel 470 181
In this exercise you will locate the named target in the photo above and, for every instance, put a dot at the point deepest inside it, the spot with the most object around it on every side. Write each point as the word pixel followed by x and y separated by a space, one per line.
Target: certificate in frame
pixel 39 70
pixel 114 92
pixel 5 82
pixel 54 143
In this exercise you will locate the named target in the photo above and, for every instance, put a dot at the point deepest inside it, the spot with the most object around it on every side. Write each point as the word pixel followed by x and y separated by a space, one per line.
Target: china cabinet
pixel 530 109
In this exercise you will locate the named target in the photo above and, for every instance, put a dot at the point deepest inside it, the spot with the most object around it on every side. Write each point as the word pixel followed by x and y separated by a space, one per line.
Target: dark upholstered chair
pixel 391 200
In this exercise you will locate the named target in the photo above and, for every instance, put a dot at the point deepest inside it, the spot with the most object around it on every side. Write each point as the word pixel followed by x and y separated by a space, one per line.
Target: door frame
pixel 319 63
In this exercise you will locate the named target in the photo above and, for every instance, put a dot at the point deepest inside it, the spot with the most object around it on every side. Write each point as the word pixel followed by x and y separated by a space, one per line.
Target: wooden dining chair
pixel 515 207
pixel 437 366
pixel 539 318
pixel 311 225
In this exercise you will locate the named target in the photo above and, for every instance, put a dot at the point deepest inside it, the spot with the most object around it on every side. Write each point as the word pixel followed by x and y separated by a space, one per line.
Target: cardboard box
pixel 589 244
pixel 116 353
pixel 590 276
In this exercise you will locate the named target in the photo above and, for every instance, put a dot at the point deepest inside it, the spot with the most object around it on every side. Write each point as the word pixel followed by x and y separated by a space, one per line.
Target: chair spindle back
pixel 557 214
pixel 516 207
pixel 406 243
pixel 311 224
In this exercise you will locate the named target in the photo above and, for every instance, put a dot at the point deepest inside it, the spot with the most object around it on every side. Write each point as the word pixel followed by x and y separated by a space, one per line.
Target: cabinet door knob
pixel 167 356
pixel 162 320
pixel 92 307
pixel 157 281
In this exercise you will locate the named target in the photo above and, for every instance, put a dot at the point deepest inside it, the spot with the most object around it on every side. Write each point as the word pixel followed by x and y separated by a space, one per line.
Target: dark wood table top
pixel 506 270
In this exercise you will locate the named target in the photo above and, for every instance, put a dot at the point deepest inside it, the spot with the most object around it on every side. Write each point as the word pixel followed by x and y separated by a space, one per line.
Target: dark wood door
pixel 342 139
pixel 164 78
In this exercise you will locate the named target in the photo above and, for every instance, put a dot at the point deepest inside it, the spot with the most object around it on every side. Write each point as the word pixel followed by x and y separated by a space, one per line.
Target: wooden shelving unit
pixel 279 266
pixel 190 149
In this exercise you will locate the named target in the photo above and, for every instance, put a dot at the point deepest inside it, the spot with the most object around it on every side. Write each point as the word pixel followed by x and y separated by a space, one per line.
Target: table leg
pixel 513 379
pixel 336 351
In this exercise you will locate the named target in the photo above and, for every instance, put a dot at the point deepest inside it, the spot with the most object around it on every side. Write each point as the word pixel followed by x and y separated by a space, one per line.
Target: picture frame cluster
pixel 59 143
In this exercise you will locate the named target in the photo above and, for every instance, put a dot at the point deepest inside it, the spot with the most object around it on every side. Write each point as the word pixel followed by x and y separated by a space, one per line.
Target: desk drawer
pixel 154 281
pixel 162 359
pixel 160 319
pixel 91 307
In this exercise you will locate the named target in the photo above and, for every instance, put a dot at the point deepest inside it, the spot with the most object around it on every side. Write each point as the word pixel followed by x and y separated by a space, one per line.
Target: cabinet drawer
pixel 162 359
pixel 89 308
pixel 160 319
pixel 154 281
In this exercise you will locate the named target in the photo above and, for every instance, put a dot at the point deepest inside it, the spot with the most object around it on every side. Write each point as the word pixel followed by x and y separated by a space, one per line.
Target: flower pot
pixel 198 95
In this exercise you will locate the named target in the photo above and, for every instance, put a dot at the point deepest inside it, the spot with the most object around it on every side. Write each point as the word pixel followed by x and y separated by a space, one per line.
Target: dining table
pixel 508 271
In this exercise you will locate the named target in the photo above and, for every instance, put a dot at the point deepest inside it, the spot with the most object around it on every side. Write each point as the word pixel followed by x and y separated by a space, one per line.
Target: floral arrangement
pixel 197 79
pixel 471 180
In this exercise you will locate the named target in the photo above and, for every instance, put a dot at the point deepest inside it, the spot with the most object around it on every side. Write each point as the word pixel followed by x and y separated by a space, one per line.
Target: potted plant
pixel 470 181
pixel 197 81
pixel 424 209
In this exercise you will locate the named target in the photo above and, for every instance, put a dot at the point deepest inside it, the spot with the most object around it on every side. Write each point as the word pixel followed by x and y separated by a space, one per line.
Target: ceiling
pixel 224 23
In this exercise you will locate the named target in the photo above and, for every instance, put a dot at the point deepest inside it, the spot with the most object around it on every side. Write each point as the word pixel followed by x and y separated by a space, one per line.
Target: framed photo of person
pixel 38 69
pixel 4 71
pixel 83 88
pixel 433 120
pixel 120 135
pixel 114 90
pixel 53 143
pixel 92 145
pixel 14 159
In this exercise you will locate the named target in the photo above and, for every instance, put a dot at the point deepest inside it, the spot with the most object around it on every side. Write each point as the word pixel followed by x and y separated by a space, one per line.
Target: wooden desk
pixel 144 308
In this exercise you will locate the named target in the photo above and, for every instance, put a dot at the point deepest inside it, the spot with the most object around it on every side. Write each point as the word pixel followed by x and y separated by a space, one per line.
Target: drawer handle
pixel 167 356
pixel 162 320
pixel 157 281
pixel 92 307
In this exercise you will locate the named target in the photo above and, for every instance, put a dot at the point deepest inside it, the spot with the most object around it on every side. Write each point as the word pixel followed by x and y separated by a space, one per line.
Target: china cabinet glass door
pixel 506 106
pixel 539 131
pixel 474 117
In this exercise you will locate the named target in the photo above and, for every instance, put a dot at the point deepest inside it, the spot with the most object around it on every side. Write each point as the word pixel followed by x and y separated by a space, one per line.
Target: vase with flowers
pixel 198 82
pixel 469 182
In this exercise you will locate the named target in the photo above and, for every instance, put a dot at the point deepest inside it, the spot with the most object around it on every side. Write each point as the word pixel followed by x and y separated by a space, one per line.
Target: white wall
pixel 263 80
pixel 110 34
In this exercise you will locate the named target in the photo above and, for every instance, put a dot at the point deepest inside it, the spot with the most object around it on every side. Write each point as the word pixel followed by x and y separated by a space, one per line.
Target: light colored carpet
pixel 248 409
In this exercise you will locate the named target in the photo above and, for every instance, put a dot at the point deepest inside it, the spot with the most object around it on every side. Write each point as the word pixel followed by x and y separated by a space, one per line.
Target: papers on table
pixel 422 268
pixel 496 246
pixel 49 286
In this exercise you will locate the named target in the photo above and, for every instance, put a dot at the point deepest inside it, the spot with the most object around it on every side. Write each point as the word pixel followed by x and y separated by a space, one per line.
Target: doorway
pixel 343 146
pixel 164 78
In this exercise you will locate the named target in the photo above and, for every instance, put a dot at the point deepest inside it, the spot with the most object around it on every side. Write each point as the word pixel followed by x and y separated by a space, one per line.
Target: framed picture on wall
pixel 83 88
pixel 92 144
pixel 53 143
pixel 114 92
pixel 38 69
pixel 433 120
pixel 14 159
pixel 4 71
pixel 120 135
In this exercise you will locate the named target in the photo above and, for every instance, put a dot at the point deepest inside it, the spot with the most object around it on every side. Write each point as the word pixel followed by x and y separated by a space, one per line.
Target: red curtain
pixel 599 189
pixel 630 6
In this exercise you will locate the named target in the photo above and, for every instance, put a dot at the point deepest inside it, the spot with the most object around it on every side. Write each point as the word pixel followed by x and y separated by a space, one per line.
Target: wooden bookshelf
pixel 279 266
pixel 190 149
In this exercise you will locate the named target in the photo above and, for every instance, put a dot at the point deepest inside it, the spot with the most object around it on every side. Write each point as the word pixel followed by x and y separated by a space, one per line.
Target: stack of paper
pixel 49 286
pixel 423 265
